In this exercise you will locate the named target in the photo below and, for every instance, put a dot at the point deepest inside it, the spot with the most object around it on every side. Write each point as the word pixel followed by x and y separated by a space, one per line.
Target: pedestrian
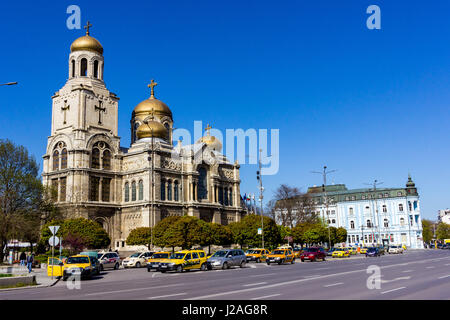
pixel 23 258
pixel 30 260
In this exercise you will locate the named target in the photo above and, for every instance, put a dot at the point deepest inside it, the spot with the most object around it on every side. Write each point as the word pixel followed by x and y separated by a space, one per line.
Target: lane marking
pixel 264 297
pixel 444 276
pixel 430 267
pixel 406 271
pixel 168 295
pixel 396 279
pixel 393 290
pixel 131 290
pixel 261 275
pixel 333 284
pixel 297 281
pixel 253 284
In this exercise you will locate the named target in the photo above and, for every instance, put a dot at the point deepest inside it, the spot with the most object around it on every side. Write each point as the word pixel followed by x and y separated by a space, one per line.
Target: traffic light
pixel 258 176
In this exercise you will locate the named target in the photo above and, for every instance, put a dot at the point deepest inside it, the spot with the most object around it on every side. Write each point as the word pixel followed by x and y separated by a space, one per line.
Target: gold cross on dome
pixel 87 26
pixel 152 86
pixel 207 129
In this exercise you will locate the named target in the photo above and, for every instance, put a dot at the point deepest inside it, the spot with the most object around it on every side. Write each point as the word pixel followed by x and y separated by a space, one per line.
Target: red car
pixel 312 254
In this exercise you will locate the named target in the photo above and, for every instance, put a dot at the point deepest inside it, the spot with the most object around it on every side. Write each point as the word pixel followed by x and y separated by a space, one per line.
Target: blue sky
pixel 373 104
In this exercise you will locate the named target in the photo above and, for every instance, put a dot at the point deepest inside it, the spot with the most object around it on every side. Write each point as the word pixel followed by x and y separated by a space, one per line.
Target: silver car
pixel 227 258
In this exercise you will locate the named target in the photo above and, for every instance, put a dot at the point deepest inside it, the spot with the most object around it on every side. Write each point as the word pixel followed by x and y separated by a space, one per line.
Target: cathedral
pixel 126 188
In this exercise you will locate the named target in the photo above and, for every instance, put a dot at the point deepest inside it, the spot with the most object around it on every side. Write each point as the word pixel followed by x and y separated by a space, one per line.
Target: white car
pixel 395 249
pixel 137 260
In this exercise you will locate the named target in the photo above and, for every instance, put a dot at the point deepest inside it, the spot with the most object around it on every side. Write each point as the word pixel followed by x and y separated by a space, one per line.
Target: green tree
pixel 285 232
pixel 161 235
pixel 214 234
pixel 316 234
pixel 140 237
pixel 92 235
pixel 237 233
pixel 341 235
pixel 186 232
pixel 443 231
pixel 20 190
pixel 249 231
pixel 427 230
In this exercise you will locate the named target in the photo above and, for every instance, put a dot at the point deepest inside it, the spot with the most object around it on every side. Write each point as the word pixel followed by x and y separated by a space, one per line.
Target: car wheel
pixel 149 270
pixel 313 259
pixel 138 264
pixel 116 266
pixel 225 266
pixel 303 260
pixel 64 278
pixel 163 271
pixel 323 259
pixel 179 269
pixel 268 263
pixel 203 267
pixel 280 262
pixel 243 264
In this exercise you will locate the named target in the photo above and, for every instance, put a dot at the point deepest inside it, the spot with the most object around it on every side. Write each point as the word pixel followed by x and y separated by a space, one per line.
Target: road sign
pixel 259 231
pixel 54 229
pixel 53 241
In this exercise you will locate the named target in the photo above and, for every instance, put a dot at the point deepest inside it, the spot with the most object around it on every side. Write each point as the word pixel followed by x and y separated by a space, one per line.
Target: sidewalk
pixel 42 280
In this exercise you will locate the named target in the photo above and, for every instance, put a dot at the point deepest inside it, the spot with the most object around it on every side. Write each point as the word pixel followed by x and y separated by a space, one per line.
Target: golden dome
pixel 210 140
pixel 159 108
pixel 145 130
pixel 86 43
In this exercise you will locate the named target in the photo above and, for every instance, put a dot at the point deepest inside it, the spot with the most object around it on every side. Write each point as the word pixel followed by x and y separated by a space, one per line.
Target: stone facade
pixel 125 188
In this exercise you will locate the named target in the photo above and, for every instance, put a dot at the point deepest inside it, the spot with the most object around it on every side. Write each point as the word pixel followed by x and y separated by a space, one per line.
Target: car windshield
pixel 297 249
pixel 99 255
pixel 160 256
pixel 395 247
pixel 76 260
pixel 221 253
pixel 135 255
pixel 278 252
pixel 372 249
pixel 311 250
pixel 177 255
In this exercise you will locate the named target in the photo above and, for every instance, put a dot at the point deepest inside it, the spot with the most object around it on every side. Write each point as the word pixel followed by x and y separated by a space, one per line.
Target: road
pixel 420 274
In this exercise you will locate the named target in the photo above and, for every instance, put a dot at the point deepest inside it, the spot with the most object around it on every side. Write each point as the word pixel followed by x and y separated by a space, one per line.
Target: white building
pixel 389 215
pixel 444 216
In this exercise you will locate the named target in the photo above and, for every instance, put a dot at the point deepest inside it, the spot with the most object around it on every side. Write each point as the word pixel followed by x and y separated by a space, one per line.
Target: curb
pixel 32 286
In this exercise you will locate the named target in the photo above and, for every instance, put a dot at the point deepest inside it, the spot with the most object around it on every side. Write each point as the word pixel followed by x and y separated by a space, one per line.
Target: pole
pixel 153 192
pixel 261 189
pixel 8 84
pixel 53 255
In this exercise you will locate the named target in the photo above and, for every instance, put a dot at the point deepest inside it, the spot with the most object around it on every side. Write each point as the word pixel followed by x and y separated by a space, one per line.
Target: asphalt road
pixel 420 274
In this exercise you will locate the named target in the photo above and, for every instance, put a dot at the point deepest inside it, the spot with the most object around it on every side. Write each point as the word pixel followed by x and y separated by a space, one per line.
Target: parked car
pixel 79 265
pixel 341 253
pixel 352 250
pixel 280 256
pixel 108 260
pixel 363 250
pixel 395 249
pixel 227 258
pixel 95 262
pixel 297 252
pixel 313 254
pixel 156 258
pixel 184 260
pixel 373 252
pixel 257 255
pixel 330 251
pixel 137 260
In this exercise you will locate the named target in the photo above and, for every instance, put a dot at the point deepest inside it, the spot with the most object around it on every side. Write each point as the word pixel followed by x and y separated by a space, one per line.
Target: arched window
pixel 56 160
pixel 231 197
pixel 350 210
pixel 384 208
pixel 83 69
pixel 96 69
pixel 133 191
pixel 221 195
pixel 402 221
pixel 175 191
pixel 352 224
pixel 400 207
pixel 106 160
pixel 369 224
pixel 169 190
pixel 106 187
pixel 95 158
pixel 95 187
pixel 202 184
pixel 163 189
pixel 386 223
pixel 225 195
pixel 64 158
pixel 127 192
pixel 141 190
pixel 73 68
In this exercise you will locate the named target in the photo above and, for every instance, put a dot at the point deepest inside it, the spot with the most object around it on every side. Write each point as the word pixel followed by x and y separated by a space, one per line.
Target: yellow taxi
pixel 297 252
pixel 340 253
pixel 280 256
pixel 184 260
pixel 363 250
pixel 352 250
pixel 79 265
pixel 256 255
pixel 55 267
pixel 156 258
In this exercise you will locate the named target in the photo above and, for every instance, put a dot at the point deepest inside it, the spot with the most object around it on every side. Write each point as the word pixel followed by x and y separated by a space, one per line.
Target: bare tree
pixel 290 206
